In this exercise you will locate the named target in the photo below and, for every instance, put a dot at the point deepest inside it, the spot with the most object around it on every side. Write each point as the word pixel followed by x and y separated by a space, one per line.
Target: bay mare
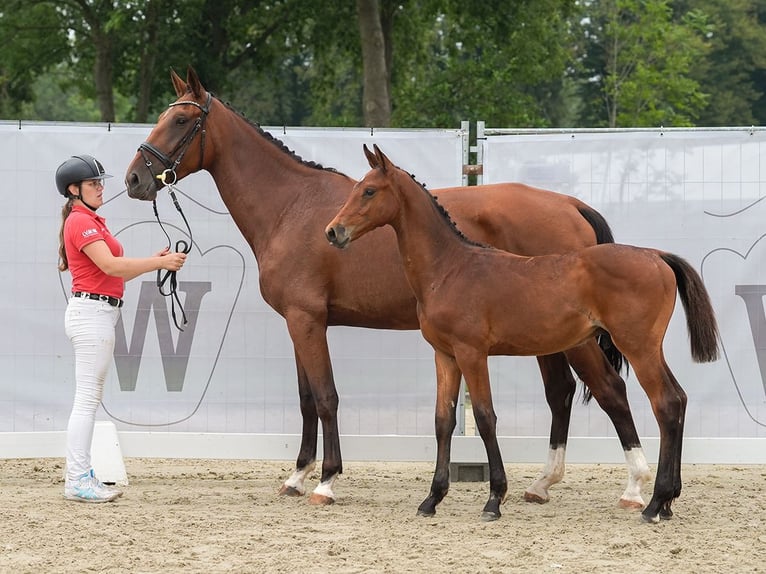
pixel 475 301
pixel 282 204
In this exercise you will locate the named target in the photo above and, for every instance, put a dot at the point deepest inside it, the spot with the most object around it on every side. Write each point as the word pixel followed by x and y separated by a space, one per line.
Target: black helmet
pixel 78 168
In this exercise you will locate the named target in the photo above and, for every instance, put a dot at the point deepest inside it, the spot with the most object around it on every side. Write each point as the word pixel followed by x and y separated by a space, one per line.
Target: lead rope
pixel 182 246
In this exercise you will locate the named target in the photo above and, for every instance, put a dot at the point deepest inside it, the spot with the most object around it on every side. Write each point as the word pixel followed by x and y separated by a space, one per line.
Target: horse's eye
pixel 368 192
pixel 181 121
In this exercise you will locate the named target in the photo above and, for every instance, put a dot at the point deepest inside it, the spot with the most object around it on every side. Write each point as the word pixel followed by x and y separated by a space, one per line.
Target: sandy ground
pixel 225 516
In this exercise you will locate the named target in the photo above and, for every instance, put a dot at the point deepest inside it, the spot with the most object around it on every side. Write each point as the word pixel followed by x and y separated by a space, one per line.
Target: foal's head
pixel 374 201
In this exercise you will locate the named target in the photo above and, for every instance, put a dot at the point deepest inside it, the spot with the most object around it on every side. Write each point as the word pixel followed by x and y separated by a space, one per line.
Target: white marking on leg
pixel 325 488
pixel 298 477
pixel 553 472
pixel 638 475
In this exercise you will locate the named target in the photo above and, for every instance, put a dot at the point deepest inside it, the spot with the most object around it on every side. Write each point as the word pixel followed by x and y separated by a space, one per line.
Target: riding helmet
pixel 78 168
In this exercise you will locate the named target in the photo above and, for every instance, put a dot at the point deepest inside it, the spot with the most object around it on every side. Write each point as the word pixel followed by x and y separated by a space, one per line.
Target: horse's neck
pixel 260 183
pixel 428 244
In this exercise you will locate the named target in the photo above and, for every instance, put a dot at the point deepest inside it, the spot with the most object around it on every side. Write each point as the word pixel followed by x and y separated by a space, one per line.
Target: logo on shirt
pixel 89 232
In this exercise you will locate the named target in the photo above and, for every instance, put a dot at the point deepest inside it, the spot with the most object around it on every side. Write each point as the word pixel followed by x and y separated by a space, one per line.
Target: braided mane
pixel 446 216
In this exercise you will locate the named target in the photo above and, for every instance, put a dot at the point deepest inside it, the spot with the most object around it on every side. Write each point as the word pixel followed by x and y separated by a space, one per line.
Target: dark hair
pixel 65 211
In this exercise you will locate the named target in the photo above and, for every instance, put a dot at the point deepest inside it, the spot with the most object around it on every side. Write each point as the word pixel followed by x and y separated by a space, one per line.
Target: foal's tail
pixel 604 235
pixel 700 317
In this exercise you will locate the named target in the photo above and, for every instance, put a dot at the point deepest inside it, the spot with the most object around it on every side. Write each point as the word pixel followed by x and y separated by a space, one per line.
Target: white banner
pixel 233 371
pixel 697 193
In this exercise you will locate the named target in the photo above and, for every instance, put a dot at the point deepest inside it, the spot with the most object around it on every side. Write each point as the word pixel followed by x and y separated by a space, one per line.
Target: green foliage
pixel 521 63
pixel 499 61
pixel 23 27
pixel 634 69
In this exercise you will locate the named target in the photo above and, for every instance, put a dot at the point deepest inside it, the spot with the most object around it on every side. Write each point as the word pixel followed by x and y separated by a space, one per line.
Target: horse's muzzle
pixel 337 236
pixel 138 189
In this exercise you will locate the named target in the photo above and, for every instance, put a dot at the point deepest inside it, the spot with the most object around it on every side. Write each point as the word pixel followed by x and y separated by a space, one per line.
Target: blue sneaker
pixel 87 488
pixel 104 486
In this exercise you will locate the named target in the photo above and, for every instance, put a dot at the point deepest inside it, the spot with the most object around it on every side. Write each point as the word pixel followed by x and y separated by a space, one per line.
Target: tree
pixel 495 60
pixel 733 71
pixel 24 56
pixel 376 100
pixel 635 64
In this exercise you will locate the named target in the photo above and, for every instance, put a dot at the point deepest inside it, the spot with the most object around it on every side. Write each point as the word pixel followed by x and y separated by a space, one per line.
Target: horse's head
pixel 374 202
pixel 176 145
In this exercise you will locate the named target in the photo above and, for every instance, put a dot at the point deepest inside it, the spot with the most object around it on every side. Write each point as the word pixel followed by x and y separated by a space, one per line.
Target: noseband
pixel 168 178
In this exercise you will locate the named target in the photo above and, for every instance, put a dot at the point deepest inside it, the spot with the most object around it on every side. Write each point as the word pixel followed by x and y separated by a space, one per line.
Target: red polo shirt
pixel 81 228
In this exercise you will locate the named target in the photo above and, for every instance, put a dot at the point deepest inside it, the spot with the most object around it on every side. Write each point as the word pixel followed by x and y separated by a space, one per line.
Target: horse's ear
pixel 178 83
pixel 193 81
pixel 371 158
pixel 382 161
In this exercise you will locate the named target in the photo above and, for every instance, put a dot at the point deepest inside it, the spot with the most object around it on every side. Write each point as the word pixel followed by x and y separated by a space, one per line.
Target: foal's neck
pixel 428 241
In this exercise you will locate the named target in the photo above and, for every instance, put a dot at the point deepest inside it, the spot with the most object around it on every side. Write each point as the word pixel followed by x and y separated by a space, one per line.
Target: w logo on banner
pixel 163 375
pixel 737 283
pixel 175 358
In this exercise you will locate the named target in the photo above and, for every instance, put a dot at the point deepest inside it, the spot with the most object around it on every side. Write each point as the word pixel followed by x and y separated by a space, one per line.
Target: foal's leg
pixel 665 512
pixel 559 391
pixel 309 335
pixel 473 363
pixel 608 388
pixel 294 486
pixel 668 402
pixel 447 389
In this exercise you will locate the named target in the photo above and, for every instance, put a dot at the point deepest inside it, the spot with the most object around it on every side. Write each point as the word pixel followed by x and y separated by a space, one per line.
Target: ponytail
pixel 65 211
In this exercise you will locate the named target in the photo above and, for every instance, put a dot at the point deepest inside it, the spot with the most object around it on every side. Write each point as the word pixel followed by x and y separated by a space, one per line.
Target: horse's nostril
pixel 330 233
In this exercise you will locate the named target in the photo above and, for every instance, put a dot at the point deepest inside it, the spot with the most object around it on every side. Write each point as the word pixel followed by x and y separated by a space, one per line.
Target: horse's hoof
pixel 320 500
pixel 426 513
pixel 532 497
pixel 651 519
pixel 289 491
pixel 489 516
pixel 630 504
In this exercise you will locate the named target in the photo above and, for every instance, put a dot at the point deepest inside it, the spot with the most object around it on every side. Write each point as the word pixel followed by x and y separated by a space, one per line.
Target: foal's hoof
pixel 534 497
pixel 320 500
pixel 489 516
pixel 289 491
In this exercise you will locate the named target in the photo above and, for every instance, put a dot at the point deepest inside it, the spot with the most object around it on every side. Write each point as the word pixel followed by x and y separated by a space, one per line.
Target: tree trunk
pixel 376 98
pixel 104 75
pixel 147 64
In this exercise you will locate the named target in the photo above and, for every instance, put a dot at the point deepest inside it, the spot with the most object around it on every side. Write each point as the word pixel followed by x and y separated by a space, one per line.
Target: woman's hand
pixel 171 261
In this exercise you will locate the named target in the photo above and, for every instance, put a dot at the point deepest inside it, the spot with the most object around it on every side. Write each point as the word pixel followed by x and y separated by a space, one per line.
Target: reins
pixel 182 246
pixel 169 178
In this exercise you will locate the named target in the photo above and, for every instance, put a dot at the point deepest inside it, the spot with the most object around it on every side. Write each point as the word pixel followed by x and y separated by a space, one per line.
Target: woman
pixel 99 271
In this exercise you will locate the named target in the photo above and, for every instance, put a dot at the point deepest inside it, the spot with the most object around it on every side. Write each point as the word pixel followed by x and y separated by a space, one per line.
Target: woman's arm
pixel 130 267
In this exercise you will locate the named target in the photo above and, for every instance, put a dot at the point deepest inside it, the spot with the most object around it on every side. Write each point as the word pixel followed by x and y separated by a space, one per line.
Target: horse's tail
pixel 598 223
pixel 604 235
pixel 700 317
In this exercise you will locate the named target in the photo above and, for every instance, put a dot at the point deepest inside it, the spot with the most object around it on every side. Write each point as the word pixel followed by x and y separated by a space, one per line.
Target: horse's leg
pixel 592 366
pixel 559 390
pixel 668 402
pixel 447 388
pixel 294 486
pixel 309 335
pixel 476 374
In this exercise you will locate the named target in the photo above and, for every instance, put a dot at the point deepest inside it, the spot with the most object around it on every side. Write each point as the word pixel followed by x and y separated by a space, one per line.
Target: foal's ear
pixel 178 83
pixel 383 162
pixel 371 158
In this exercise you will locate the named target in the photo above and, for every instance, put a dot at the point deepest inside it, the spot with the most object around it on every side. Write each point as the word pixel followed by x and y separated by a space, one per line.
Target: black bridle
pixel 168 177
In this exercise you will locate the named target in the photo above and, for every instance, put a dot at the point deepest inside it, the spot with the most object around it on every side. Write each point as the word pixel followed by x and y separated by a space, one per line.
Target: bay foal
pixel 475 301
